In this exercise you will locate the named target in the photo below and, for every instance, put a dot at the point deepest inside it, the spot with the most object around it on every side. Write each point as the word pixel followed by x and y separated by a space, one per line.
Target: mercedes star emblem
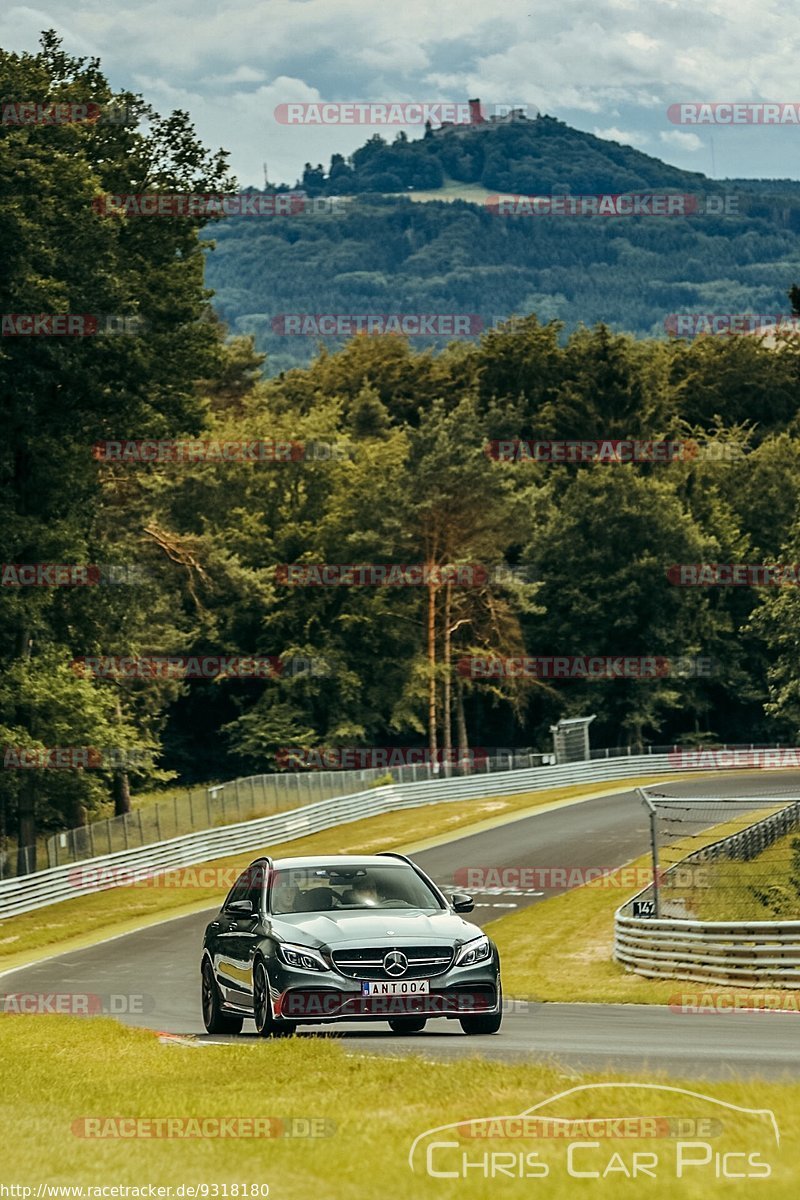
pixel 395 963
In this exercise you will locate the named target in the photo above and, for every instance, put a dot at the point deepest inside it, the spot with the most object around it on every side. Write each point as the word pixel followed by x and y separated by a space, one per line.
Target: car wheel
pixel 266 1024
pixel 408 1024
pixel 484 1022
pixel 214 1019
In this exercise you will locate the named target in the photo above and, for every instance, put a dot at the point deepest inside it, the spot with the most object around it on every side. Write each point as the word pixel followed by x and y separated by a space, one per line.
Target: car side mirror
pixel 461 902
pixel 241 908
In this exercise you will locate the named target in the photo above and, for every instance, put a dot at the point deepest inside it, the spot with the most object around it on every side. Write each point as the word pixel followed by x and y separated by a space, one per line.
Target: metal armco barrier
pixel 66 882
pixel 746 953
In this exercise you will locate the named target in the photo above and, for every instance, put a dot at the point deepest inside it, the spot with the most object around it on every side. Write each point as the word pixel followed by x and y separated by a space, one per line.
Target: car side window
pixel 255 886
pixel 240 890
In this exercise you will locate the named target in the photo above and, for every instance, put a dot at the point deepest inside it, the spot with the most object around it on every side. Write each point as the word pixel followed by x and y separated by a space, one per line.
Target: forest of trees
pixel 577 555
pixel 390 254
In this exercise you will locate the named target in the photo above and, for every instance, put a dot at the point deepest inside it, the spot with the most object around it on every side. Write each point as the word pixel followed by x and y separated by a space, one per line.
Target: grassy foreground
pixel 375 1108
pixel 122 909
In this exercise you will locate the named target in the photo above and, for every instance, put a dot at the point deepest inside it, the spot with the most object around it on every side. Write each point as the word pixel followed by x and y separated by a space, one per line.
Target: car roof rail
pixel 394 854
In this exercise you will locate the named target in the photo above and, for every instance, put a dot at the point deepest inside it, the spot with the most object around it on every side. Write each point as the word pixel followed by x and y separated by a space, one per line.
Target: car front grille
pixel 366 962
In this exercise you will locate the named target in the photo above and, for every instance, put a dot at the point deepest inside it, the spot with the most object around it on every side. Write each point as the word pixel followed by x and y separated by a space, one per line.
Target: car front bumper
pixel 313 997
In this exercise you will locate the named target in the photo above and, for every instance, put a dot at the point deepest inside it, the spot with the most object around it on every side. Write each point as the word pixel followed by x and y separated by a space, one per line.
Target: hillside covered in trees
pixel 537 156
pixel 380 251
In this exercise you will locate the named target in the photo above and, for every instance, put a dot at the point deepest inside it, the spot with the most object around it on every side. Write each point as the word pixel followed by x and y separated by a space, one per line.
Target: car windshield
pixel 325 888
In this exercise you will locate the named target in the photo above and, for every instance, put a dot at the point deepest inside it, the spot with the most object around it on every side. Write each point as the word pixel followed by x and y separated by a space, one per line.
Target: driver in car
pixel 285 897
pixel 365 894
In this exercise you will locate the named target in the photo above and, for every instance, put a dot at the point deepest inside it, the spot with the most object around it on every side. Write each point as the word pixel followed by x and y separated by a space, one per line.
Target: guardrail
pixel 98 874
pixel 260 795
pixel 758 953
pixel 235 801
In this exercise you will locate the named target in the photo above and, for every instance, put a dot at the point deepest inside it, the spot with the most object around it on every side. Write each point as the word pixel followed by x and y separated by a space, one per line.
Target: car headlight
pixel 474 952
pixel 301 956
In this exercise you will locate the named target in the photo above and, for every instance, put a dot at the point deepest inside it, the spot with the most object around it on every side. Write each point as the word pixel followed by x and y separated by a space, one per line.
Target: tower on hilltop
pixel 476 117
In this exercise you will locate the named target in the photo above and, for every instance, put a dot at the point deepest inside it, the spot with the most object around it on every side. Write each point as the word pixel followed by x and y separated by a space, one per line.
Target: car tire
pixel 407 1024
pixel 214 1019
pixel 484 1022
pixel 266 1024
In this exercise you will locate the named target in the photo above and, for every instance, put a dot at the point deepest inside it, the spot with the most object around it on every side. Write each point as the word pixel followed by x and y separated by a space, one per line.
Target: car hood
pixel 386 927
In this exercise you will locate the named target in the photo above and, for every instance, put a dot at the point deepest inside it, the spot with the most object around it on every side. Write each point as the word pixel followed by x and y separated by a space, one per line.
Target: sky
pixel 609 67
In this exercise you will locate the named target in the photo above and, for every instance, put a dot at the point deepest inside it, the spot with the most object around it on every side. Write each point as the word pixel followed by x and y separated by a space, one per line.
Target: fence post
pixel 191 808
pixel 125 828
pixel 208 806
pixel 108 833
pixel 91 840
pixel 175 805
pixel 158 822
pixel 141 831
pixel 238 804
pixel 654 852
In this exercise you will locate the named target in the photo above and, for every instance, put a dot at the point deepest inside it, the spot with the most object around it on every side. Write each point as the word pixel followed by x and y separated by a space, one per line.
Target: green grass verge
pixel 765 888
pixel 89 918
pixel 561 949
pixel 165 796
pixel 76 1068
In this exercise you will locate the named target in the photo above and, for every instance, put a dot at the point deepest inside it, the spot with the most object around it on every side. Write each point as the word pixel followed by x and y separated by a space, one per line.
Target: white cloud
pixel 619 62
pixel 627 138
pixel 242 74
pixel 391 55
pixel 641 41
pixel 682 141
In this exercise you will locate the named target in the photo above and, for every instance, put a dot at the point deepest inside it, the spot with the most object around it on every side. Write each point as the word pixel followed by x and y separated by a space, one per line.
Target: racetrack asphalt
pixel 161 963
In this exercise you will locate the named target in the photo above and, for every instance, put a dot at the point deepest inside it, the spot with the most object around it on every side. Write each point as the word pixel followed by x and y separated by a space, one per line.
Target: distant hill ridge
pixel 511 153
pixel 453 252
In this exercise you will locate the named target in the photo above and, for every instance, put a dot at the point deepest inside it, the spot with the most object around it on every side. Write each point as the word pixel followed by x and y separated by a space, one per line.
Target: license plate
pixel 396 987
